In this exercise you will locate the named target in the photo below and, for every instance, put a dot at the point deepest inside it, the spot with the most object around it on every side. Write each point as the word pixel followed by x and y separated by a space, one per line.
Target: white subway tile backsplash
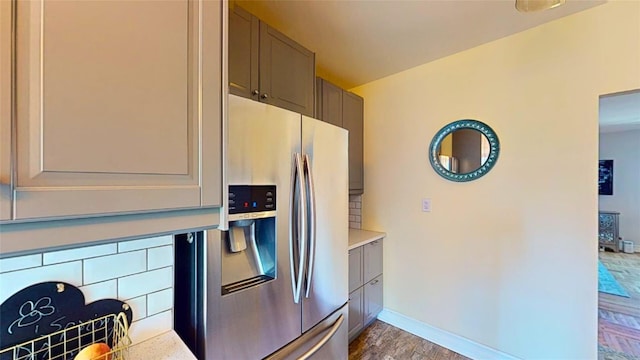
pixel 160 301
pixel 114 266
pixel 20 262
pixel 145 243
pixel 151 326
pixel 355 212
pixel 12 282
pixel 144 283
pixel 102 290
pixel 159 257
pixel 139 272
pixel 79 253
pixel 138 307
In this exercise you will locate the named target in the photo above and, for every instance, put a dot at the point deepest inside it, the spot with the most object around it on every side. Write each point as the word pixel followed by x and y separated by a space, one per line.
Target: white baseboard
pixel 443 338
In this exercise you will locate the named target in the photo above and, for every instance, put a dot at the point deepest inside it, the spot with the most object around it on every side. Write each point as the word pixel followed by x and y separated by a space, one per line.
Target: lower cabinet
pixel 365 286
pixel 372 300
pixel 356 313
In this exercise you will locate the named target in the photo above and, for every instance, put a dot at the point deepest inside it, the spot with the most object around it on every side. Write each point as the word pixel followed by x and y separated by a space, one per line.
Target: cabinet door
pixel 372 299
pixel 243 53
pixel 372 260
pixel 287 72
pixel 331 107
pixel 355 268
pixel 118 106
pixel 353 120
pixel 356 313
pixel 6 98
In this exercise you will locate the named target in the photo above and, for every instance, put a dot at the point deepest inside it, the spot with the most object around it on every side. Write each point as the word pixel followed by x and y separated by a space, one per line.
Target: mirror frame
pixel 484 129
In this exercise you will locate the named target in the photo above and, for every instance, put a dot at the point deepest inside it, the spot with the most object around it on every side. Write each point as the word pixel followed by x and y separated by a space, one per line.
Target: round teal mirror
pixel 464 150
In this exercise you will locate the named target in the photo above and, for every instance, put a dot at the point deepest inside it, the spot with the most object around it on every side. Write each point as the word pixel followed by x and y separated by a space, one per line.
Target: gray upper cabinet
pixel 244 31
pixel 329 102
pixel 287 72
pixel 353 120
pixel 345 109
pixel 5 108
pixel 110 116
pixel 267 66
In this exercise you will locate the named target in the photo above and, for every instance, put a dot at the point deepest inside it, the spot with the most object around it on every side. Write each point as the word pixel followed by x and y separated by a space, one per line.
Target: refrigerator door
pixel 325 341
pixel 252 323
pixel 325 148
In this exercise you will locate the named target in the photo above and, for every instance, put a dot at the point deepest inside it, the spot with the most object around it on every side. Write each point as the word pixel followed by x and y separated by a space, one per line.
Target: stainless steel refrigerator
pixel 275 284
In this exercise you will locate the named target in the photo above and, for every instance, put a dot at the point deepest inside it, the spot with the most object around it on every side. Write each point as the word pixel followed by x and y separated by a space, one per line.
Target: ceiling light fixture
pixel 537 5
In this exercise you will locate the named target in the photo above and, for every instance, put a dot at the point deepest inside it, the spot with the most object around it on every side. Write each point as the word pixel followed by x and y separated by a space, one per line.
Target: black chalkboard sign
pixel 48 307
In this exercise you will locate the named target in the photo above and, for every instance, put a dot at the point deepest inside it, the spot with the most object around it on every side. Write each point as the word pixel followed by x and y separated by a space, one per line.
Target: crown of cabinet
pixel 267 66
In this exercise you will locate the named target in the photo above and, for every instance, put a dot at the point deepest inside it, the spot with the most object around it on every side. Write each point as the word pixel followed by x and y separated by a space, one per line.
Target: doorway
pixel 619 234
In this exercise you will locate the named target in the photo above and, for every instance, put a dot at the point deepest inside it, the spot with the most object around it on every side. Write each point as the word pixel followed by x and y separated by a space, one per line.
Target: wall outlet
pixel 426 205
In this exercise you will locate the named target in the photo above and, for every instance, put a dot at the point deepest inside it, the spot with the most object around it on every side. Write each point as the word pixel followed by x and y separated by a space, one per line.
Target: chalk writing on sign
pixel 31 313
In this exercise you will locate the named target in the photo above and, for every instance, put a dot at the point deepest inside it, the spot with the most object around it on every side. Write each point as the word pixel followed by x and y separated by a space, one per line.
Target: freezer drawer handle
pixel 324 339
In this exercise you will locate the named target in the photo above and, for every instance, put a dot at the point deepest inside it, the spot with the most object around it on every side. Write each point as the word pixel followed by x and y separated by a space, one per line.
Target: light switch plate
pixel 426 205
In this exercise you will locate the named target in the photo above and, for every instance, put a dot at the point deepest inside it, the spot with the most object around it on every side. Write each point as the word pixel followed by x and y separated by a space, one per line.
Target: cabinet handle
pixel 374 242
pixel 374 282
pixel 264 96
pixel 255 92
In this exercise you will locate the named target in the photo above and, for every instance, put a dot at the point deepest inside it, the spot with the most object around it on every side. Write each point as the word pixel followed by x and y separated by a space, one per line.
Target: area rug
pixel 607 283
pixel 605 353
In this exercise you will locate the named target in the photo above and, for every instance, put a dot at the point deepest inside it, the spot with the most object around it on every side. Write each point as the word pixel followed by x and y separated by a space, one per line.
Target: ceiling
pixel 620 112
pixel 358 41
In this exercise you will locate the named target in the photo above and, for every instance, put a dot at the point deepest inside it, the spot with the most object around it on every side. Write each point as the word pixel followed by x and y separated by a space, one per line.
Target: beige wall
pixel 509 260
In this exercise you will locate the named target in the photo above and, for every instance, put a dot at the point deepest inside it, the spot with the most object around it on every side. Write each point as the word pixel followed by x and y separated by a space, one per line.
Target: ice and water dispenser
pixel 249 247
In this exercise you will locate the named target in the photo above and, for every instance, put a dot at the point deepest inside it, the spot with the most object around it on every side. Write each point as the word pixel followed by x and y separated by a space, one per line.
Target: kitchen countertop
pixel 167 346
pixel 359 237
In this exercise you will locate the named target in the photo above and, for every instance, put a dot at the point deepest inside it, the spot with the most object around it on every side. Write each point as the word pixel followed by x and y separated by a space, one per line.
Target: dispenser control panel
pixel 251 198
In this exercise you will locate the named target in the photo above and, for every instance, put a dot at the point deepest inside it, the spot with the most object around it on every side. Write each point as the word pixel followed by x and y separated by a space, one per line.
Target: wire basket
pixel 66 344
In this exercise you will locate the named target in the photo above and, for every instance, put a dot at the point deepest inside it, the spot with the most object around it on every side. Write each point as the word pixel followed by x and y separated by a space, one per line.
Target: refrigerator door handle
pixel 324 339
pixel 312 223
pixel 297 243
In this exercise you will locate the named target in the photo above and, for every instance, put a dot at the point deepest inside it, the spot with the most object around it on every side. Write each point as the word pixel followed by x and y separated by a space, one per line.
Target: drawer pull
pixel 374 282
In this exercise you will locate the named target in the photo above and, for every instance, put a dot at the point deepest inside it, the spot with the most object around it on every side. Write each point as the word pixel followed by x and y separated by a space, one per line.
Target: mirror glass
pixel 464 150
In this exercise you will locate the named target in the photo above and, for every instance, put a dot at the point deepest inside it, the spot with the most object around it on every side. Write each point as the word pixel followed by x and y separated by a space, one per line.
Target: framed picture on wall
pixel 605 177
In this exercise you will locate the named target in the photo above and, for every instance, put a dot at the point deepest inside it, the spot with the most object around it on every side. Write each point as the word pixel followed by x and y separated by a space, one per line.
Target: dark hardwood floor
pixel 381 341
pixel 619 317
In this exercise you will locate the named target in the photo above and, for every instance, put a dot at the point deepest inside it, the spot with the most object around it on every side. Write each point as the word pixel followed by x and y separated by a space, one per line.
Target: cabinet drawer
pixel 372 299
pixel 372 260
pixel 356 313
pixel 355 269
